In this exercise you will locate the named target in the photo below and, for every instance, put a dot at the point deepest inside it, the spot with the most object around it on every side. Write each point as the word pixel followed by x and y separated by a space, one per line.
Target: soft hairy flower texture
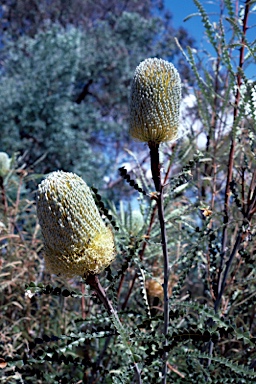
pixel 155 102
pixel 76 240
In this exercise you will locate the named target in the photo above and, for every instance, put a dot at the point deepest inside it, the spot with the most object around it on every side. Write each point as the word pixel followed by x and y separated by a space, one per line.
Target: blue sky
pixel 180 9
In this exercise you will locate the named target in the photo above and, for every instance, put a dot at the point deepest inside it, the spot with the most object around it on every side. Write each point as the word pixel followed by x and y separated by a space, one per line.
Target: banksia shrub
pixel 155 102
pixel 76 240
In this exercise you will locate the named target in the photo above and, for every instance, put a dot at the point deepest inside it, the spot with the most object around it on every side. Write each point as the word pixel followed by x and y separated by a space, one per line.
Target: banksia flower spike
pixel 154 119
pixel 76 240
pixel 155 102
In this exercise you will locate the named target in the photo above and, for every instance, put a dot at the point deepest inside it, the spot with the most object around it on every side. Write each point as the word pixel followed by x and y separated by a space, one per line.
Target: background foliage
pixel 65 85
pixel 64 91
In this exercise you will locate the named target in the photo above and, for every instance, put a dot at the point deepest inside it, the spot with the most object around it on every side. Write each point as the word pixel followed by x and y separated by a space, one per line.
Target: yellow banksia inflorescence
pixel 76 240
pixel 155 102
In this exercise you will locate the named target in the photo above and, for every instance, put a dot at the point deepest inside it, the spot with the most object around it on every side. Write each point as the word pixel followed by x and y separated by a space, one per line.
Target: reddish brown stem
pixel 83 302
pixel 231 155
pixel 4 199
pixel 129 292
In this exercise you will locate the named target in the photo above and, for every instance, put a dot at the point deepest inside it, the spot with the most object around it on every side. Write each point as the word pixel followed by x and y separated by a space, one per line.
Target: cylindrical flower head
pixel 155 102
pixel 76 240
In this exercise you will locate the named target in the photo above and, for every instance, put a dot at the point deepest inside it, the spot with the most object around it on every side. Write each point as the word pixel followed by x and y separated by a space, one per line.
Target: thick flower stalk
pixel 155 102
pixel 154 119
pixel 76 240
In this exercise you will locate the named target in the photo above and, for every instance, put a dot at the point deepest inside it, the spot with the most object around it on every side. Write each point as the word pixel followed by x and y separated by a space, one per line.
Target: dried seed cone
pixel 155 102
pixel 76 240
pixel 154 289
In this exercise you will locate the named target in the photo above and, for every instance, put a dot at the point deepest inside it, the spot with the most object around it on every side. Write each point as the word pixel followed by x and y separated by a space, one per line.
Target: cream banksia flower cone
pixel 155 102
pixel 76 240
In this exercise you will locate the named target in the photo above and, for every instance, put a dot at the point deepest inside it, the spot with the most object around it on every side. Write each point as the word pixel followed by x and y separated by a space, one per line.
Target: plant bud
pixel 5 163
pixel 155 102
pixel 76 240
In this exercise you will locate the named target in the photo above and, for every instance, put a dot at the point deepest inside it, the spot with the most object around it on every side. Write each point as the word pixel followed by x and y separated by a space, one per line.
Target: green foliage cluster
pixel 57 331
